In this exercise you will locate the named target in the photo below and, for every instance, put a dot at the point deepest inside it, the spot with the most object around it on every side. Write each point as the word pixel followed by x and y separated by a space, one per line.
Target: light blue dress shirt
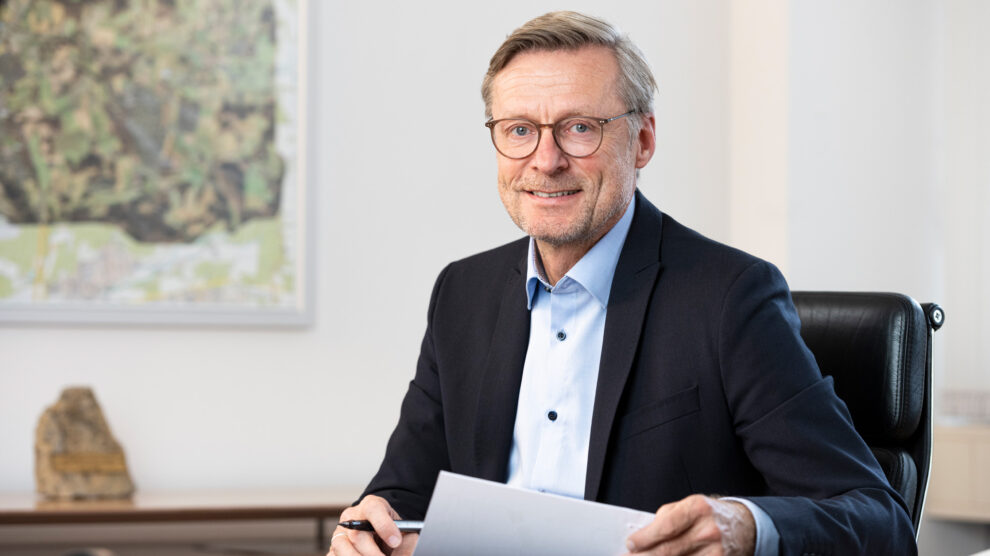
pixel 560 375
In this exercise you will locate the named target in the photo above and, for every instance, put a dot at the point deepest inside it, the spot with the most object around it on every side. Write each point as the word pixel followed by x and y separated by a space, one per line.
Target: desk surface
pixel 199 505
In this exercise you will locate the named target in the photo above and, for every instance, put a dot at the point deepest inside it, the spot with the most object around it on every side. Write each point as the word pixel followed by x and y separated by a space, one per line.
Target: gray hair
pixel 571 31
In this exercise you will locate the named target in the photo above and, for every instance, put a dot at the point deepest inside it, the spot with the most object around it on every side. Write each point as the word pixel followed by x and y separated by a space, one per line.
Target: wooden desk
pixel 318 504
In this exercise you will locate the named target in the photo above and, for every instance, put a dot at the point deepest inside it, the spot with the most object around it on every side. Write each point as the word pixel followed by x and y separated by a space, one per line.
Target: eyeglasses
pixel 578 136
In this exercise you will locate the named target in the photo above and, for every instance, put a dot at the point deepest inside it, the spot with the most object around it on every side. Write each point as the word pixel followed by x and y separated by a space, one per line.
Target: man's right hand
pixel 347 542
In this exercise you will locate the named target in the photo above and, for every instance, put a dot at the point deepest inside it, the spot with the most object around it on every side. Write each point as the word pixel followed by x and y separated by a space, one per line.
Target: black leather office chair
pixel 878 349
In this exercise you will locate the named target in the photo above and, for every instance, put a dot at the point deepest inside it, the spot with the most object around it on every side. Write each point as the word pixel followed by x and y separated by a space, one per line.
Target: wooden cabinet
pixel 173 523
pixel 959 487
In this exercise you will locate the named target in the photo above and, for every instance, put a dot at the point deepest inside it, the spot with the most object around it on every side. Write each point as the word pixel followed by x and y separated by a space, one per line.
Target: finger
pixel 342 545
pixel 366 543
pixel 377 511
pixel 351 513
pixel 701 539
pixel 335 540
pixel 672 520
pixel 409 541
pixel 382 518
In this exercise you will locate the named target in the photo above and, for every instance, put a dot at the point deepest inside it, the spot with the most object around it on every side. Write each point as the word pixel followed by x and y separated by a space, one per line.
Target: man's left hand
pixel 698 525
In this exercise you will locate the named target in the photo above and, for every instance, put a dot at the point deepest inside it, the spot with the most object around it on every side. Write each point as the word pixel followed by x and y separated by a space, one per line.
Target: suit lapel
pixel 499 393
pixel 635 276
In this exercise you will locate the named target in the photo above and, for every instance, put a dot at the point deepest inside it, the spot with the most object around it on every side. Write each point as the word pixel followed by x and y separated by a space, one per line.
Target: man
pixel 616 355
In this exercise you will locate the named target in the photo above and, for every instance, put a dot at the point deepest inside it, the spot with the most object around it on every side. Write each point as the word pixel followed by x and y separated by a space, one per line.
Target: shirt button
pixel 552 415
pixel 561 335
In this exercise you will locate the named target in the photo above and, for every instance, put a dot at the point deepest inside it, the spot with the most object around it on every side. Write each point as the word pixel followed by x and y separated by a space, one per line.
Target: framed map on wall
pixel 152 161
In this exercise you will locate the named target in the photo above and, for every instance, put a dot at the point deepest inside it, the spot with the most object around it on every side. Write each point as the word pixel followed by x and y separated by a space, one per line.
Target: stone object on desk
pixel 76 455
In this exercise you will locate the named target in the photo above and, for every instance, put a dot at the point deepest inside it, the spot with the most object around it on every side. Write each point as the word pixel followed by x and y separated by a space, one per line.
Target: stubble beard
pixel 576 230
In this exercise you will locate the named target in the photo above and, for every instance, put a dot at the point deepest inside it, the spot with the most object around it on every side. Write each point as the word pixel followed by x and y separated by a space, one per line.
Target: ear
pixel 646 140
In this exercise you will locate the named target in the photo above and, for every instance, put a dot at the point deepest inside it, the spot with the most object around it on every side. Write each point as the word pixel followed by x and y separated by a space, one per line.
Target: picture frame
pixel 156 156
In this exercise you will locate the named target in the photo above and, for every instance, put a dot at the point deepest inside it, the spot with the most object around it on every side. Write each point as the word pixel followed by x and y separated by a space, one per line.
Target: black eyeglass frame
pixel 490 124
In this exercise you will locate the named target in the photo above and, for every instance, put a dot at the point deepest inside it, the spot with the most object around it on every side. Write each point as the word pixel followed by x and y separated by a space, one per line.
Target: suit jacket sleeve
pixel 829 494
pixel 417 449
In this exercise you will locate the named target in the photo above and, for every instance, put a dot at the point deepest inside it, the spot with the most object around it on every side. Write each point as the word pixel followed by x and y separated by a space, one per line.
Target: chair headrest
pixel 874 345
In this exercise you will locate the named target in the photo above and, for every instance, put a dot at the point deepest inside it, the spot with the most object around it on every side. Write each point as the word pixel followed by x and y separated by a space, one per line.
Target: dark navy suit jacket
pixel 704 386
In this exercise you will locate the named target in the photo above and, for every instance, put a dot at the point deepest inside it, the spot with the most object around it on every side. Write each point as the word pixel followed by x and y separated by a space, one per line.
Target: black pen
pixel 405 526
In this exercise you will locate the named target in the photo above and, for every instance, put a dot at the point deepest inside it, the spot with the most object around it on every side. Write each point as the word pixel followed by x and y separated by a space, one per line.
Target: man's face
pixel 557 199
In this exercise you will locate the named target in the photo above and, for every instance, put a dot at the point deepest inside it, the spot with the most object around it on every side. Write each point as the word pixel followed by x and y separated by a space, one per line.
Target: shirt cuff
pixel 767 536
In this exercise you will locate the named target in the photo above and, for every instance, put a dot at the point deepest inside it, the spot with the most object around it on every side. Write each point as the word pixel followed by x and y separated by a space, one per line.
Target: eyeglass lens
pixel 578 136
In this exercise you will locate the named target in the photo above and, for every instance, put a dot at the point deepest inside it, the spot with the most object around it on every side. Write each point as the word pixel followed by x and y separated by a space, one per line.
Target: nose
pixel 548 158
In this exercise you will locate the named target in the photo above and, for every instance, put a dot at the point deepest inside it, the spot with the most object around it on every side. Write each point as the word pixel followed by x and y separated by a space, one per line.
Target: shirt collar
pixel 595 270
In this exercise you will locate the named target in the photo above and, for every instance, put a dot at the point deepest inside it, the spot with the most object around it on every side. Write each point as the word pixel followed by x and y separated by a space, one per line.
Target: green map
pixel 148 152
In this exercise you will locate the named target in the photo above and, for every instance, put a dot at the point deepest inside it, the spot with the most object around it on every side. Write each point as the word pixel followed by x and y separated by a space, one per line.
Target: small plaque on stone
pixel 76 455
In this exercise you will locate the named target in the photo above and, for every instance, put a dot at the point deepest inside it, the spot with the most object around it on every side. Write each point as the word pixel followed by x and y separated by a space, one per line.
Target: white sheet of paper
pixel 478 517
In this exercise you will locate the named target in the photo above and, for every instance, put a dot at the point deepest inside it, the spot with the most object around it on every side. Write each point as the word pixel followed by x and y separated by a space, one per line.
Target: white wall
pixel 197 407
pixel 863 207
pixel 964 185
pixel 759 101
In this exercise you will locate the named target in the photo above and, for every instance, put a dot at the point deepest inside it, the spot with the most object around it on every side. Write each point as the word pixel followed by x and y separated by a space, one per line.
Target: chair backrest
pixel 878 349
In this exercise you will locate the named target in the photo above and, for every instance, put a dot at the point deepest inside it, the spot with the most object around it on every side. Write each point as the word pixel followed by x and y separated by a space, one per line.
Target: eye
pixel 516 129
pixel 578 126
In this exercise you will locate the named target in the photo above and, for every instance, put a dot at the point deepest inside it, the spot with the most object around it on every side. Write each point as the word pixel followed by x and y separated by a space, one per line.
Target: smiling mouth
pixel 544 195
